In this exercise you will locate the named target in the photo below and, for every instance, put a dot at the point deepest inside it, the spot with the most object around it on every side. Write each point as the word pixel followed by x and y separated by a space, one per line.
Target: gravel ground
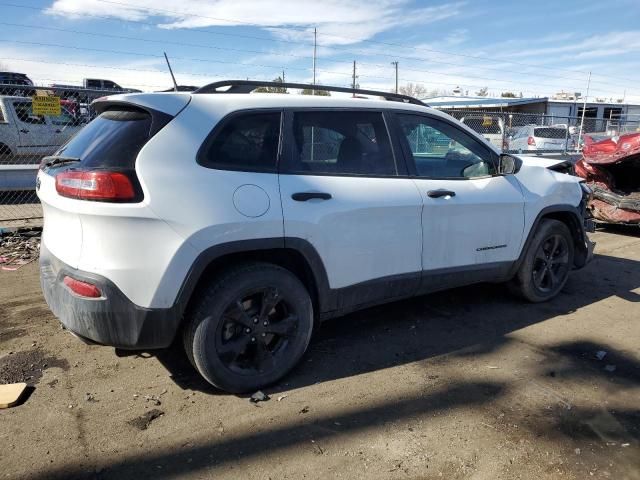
pixel 469 383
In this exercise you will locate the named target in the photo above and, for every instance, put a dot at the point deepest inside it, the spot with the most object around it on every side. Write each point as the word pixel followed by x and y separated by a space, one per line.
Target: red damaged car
pixel 611 167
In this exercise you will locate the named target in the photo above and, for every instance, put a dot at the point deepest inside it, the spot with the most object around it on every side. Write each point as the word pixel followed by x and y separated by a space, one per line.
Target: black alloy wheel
pixel 255 332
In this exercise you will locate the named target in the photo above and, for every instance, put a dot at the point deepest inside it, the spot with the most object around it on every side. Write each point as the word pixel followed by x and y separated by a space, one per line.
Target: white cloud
pixel 341 22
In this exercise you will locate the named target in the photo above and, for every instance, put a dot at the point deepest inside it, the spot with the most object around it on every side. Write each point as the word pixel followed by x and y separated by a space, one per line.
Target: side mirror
pixel 508 164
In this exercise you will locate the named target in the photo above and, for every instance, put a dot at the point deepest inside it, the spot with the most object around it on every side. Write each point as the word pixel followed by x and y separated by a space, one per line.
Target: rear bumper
pixel 111 319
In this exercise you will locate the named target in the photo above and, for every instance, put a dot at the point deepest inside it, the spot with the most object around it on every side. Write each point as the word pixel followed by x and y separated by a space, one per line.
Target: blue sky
pixel 537 48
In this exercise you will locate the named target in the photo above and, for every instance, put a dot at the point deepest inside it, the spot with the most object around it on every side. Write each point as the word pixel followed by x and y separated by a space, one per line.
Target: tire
pixel 547 263
pixel 248 327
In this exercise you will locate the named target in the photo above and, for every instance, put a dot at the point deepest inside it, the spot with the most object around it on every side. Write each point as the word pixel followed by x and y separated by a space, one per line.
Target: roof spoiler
pixel 248 86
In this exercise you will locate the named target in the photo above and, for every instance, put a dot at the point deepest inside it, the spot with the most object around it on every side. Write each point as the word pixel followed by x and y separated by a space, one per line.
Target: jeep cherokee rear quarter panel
pixel 203 206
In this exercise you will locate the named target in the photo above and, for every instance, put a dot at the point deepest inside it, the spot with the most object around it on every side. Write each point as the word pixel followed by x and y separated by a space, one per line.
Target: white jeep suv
pixel 240 221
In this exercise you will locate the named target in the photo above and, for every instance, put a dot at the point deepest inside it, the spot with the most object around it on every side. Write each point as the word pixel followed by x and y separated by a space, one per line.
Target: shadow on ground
pixel 430 326
pixel 472 321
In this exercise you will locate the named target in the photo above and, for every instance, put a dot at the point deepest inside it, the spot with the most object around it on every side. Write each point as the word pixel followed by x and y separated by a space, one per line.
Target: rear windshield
pixel 113 139
pixel 483 125
pixel 550 132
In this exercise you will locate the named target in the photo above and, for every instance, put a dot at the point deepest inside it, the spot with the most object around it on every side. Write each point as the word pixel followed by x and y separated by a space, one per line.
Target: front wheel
pixel 249 327
pixel 547 263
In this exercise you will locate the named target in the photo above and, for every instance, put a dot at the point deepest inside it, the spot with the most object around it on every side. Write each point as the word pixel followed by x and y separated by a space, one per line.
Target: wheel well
pixel 573 223
pixel 286 258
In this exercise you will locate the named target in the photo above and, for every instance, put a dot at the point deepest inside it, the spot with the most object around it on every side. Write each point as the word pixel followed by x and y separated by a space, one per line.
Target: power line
pixel 399 45
pixel 346 51
pixel 370 76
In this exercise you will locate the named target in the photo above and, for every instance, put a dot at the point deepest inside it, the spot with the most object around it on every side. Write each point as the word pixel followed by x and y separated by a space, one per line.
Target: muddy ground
pixel 469 383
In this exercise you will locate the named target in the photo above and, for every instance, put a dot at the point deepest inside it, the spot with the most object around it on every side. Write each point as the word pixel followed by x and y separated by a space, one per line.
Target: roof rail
pixel 248 86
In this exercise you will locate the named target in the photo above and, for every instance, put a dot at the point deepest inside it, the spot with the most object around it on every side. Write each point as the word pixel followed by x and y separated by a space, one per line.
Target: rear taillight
pixel 95 185
pixel 531 141
pixel 83 289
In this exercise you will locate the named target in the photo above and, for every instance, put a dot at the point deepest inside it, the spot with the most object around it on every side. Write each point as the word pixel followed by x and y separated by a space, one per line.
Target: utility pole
pixel 315 46
pixel 584 109
pixel 395 64
pixel 353 83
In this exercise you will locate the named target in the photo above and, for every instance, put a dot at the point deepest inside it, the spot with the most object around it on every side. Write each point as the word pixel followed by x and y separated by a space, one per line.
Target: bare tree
pixel 483 92
pixel 413 90
pixel 273 89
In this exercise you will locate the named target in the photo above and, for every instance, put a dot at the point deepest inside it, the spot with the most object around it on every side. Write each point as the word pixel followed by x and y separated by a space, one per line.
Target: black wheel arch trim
pixel 581 241
pixel 209 255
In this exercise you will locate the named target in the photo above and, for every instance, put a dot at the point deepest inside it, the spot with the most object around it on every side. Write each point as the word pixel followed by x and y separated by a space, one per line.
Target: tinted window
pixel 25 113
pixel 440 150
pixel 246 142
pixel 550 132
pixel 110 85
pixel 341 143
pixel 113 139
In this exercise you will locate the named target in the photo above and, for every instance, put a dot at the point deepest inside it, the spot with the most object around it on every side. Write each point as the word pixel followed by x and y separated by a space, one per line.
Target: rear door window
pixel 113 139
pixel 246 142
pixel 340 143
pixel 560 133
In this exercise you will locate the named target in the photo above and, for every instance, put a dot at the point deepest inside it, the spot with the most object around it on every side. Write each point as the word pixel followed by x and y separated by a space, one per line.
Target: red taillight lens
pixel 531 141
pixel 97 185
pixel 83 289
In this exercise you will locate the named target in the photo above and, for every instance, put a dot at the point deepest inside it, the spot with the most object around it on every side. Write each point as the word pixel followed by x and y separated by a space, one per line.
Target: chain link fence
pixel 540 134
pixel 28 132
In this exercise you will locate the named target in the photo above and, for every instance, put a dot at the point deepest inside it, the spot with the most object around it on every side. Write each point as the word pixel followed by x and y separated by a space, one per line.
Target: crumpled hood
pixel 611 150
pixel 536 161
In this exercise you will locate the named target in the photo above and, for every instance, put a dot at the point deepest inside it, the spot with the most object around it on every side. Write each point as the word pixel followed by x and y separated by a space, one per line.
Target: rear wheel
pixel 547 263
pixel 250 326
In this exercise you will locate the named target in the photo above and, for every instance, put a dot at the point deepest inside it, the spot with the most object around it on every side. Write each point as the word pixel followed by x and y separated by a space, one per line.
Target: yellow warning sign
pixel 46 105
pixel 487 121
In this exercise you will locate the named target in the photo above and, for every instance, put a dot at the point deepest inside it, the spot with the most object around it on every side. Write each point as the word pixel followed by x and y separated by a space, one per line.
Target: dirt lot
pixel 463 384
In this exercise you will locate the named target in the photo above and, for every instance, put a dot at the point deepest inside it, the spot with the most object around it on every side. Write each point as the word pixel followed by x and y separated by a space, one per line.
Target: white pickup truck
pixel 25 138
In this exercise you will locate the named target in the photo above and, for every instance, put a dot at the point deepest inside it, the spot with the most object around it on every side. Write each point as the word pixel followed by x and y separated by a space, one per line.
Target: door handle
pixel 24 130
pixel 440 193
pixel 304 196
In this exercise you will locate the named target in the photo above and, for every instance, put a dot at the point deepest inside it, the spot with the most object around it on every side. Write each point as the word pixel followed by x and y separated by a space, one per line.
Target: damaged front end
pixel 611 168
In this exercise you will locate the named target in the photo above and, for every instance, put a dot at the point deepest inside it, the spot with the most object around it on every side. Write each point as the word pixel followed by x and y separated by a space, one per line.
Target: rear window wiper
pixel 58 160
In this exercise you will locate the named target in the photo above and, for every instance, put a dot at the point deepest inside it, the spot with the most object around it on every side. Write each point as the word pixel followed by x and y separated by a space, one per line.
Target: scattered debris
pixel 10 394
pixel 304 410
pixel 19 248
pixel 282 397
pixel 577 450
pixel 610 368
pixel 27 366
pixel 600 354
pixel 492 367
pixel 317 448
pixel 153 399
pixel 625 444
pixel 143 421
pixel 90 397
pixel 259 396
